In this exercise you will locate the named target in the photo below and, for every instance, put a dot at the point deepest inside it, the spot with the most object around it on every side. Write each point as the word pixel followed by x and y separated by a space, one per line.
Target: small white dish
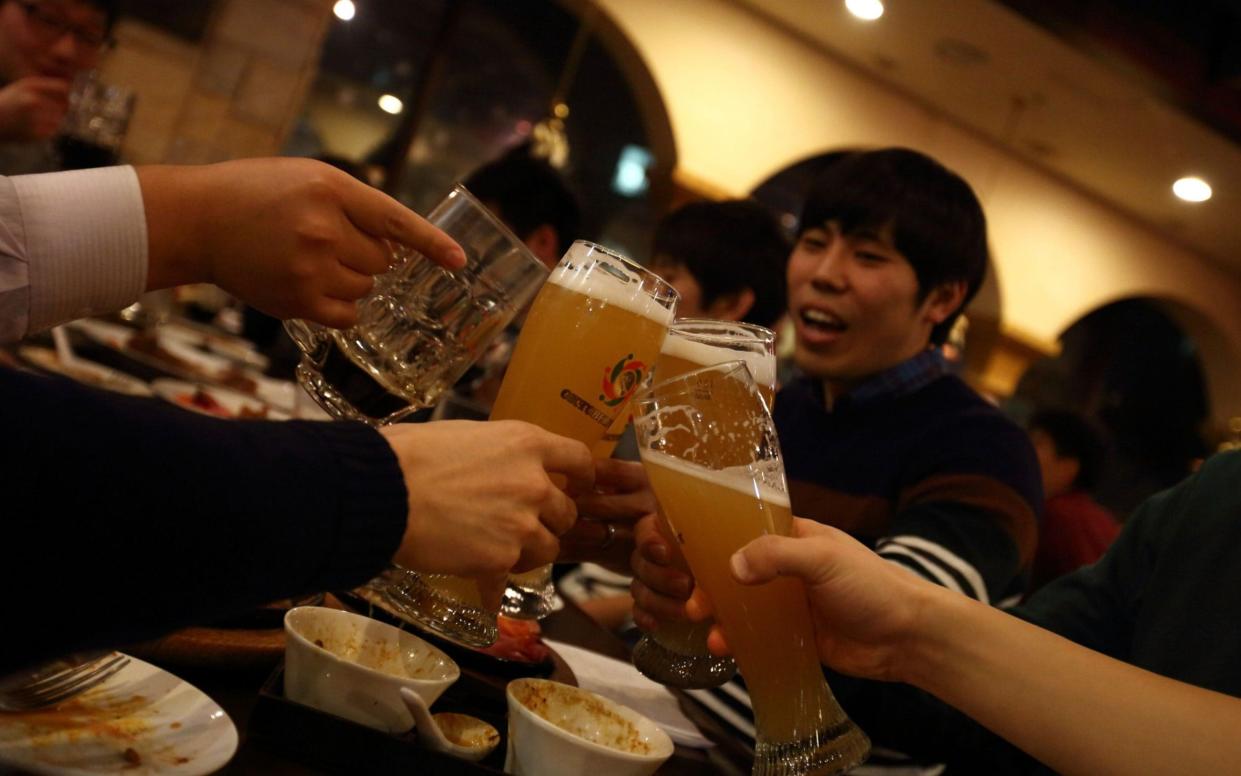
pixel 83 371
pixel 143 720
pixel 354 667
pixel 558 730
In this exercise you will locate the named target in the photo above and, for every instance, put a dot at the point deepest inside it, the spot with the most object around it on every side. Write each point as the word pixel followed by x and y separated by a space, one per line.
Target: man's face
pixel 686 285
pixel 56 38
pixel 854 303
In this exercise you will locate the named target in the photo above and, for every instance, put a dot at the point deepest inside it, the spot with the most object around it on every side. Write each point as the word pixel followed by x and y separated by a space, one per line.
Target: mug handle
pixel 310 337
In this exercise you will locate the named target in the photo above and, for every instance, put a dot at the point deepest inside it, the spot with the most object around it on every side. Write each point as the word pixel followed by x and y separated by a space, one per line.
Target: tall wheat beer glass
pixel 590 339
pixel 710 449
pixel 676 654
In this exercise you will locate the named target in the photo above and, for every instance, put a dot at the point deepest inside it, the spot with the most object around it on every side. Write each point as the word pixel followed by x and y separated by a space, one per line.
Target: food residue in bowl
pixel 386 656
pixel 582 715
pixel 467 731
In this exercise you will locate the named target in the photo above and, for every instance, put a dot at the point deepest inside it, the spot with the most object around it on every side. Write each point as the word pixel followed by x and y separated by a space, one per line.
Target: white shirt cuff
pixel 86 242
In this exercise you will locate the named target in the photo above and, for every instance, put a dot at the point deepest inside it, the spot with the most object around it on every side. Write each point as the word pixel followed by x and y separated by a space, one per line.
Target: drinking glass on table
pixel 676 654
pixel 709 446
pixel 418 331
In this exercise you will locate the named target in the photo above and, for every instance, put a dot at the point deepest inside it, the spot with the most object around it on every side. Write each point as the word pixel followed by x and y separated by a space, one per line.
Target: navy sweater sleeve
pixel 125 518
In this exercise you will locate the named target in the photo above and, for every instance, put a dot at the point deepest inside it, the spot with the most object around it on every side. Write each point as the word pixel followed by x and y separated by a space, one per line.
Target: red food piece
pixel 520 641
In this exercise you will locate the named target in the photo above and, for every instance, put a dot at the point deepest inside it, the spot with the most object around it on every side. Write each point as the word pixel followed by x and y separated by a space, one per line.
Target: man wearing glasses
pixel 44 44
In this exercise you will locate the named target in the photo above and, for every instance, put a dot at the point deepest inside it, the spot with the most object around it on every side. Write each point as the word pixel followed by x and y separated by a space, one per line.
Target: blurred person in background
pixel 1076 529
pixel 44 45
pixel 726 260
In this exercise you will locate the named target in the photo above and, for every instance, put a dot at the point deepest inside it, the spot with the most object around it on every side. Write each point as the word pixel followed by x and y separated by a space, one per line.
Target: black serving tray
pixel 337 745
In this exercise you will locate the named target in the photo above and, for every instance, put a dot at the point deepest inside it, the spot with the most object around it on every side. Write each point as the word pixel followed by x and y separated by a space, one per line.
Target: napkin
pixel 621 682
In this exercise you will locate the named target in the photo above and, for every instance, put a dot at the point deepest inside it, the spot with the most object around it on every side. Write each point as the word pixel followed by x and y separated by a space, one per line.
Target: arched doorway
pixel 496 68
pixel 1132 367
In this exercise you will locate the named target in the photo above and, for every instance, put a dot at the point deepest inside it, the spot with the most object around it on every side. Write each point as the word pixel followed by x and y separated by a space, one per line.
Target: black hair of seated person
pixel 1075 437
pixel 935 218
pixel 729 246
pixel 528 193
pixel 110 8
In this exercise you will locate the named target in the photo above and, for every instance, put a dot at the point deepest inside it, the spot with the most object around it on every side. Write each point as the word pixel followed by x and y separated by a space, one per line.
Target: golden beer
pixel 709 447
pixel 676 653
pixel 587 345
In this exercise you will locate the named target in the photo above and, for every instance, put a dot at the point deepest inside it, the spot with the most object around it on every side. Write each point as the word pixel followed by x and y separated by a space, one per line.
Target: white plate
pixel 621 682
pixel 178 392
pixel 83 371
pixel 172 727
pixel 236 349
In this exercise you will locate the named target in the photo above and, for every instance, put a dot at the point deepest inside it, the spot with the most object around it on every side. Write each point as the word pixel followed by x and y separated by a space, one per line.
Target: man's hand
pixel 661 583
pixel 481 497
pixel 864 608
pixel 295 238
pixel 604 534
pixel 33 108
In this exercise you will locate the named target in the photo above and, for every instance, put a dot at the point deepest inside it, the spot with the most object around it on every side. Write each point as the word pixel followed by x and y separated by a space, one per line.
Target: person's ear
pixel 731 307
pixel 544 243
pixel 944 300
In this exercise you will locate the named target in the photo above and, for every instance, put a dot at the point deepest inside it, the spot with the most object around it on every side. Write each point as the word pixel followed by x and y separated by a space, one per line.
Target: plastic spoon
pixel 469 738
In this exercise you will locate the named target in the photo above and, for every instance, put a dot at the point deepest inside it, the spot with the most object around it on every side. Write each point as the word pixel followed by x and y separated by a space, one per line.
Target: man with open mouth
pixel 879 439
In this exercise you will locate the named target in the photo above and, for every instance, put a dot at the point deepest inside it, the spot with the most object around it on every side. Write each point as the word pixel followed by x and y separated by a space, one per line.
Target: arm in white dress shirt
pixel 293 237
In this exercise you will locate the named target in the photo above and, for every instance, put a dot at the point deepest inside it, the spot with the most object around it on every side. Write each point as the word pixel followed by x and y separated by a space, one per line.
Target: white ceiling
pixel 993 71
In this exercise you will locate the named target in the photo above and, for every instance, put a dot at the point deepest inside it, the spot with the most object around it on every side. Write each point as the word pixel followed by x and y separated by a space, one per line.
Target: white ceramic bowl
pixel 558 730
pixel 353 667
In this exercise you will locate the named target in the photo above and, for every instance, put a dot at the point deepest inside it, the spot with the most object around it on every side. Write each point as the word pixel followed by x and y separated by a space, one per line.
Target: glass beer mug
pixel 418 331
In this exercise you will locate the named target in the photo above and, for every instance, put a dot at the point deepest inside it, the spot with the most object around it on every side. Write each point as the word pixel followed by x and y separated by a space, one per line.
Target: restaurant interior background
pixel 1071 119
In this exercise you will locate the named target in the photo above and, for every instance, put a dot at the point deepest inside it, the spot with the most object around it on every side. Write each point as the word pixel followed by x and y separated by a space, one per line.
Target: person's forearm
pixel 176 211
pixel 1076 710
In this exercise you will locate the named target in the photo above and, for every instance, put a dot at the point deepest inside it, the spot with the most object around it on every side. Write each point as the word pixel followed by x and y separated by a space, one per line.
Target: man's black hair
pixel 728 247
pixel 528 193
pixel 936 220
pixel 1076 438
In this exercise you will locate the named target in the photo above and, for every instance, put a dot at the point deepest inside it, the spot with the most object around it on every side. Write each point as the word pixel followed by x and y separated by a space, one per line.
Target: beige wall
pixel 742 111
pixel 234 94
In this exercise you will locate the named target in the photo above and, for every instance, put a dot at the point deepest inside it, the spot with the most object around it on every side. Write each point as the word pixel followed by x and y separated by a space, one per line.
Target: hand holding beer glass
pixel 585 347
pixel 676 654
pixel 710 449
pixel 417 332
pixel 422 325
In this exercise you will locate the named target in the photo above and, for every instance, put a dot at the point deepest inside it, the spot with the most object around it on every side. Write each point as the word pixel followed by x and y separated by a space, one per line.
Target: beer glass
pixel 588 343
pixel 710 449
pixel 418 331
pixel 422 325
pixel 676 654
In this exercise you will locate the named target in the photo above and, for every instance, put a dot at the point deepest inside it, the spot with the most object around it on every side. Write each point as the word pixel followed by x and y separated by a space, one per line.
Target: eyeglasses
pixel 53 26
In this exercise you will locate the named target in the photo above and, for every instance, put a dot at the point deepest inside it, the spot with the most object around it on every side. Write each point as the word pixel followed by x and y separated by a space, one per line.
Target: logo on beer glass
pixel 621 380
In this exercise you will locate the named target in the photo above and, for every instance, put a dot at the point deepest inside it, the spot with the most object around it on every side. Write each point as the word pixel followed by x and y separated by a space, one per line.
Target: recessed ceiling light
pixel 391 104
pixel 1192 189
pixel 344 10
pixel 866 10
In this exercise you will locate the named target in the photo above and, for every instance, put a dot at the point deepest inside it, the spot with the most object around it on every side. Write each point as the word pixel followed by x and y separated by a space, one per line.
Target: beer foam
pixel 743 479
pixel 601 285
pixel 762 365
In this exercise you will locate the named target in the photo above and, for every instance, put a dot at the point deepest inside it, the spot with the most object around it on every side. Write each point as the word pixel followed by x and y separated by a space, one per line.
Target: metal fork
pixel 48 689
